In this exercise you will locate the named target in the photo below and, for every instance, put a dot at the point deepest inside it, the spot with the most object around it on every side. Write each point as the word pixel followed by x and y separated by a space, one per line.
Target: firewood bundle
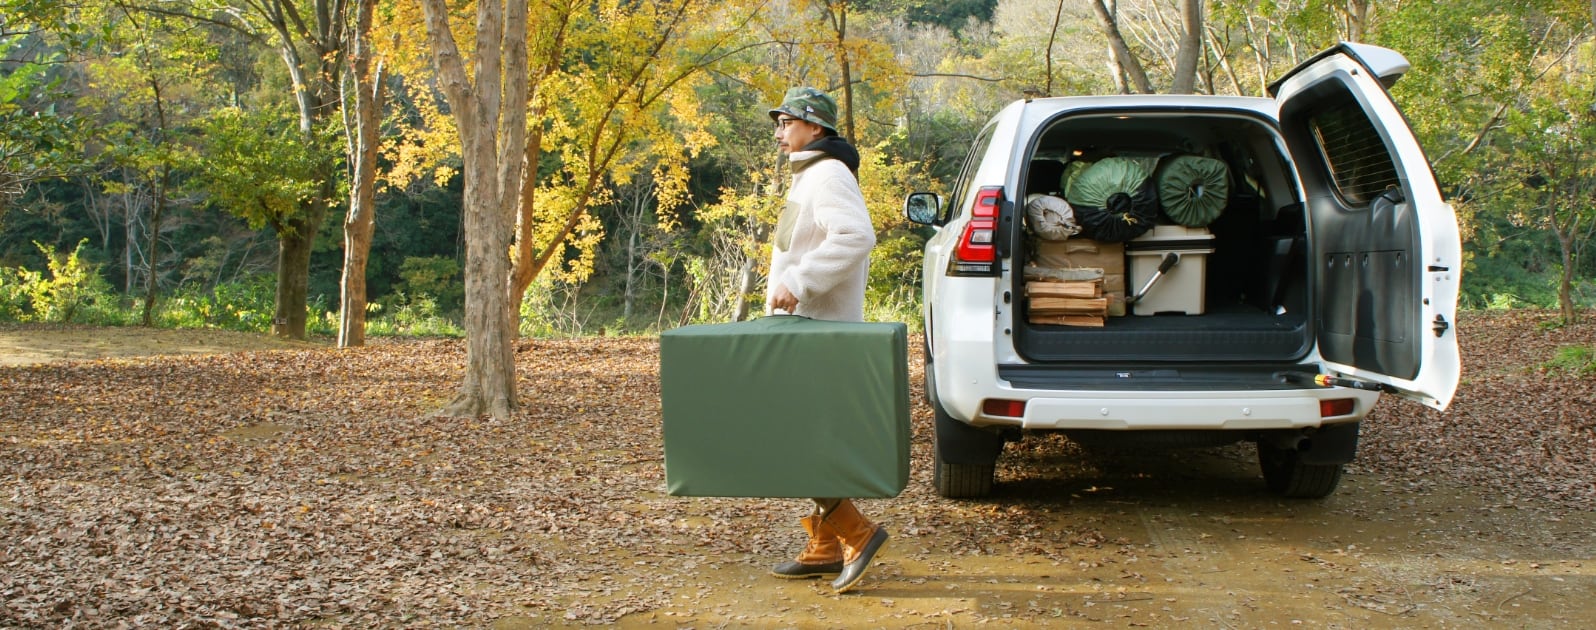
pixel 1068 302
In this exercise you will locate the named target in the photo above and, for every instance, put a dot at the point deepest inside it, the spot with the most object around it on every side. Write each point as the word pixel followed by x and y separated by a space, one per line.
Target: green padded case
pixel 786 406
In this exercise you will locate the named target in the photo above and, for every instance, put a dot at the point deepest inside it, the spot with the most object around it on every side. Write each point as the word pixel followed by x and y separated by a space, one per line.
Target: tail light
pixel 976 254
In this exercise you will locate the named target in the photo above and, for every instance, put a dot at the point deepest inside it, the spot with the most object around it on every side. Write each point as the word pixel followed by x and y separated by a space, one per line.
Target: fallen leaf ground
pixel 307 486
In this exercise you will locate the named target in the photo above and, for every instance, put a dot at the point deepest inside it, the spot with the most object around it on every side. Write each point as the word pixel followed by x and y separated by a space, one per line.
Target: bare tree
pixel 1125 62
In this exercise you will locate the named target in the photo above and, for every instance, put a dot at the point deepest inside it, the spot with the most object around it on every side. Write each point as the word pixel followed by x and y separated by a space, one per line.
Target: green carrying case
pixel 786 406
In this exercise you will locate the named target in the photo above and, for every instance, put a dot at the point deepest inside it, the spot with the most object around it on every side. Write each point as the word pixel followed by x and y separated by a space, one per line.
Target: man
pixel 819 263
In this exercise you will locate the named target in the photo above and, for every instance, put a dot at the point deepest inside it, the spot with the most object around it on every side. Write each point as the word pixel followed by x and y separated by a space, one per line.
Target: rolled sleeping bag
pixel 1114 199
pixel 1192 189
pixel 1072 172
pixel 1050 217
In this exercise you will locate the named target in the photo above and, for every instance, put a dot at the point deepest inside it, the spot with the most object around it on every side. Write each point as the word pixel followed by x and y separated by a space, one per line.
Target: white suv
pixel 1330 276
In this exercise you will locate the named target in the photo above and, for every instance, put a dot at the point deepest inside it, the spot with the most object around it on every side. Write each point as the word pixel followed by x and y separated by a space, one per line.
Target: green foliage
pixel 256 165
pixel 433 279
pixel 36 140
pixel 1510 277
pixel 72 291
pixel 15 284
pixel 894 290
pixel 1574 360
pixel 413 317
pixel 244 306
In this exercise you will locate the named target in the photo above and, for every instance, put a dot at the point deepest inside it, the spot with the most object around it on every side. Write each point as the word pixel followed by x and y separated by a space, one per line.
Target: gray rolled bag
pixel 786 406
pixel 1192 190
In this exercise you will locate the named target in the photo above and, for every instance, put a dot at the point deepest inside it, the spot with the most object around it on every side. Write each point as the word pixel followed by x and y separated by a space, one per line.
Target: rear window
pixel 1360 165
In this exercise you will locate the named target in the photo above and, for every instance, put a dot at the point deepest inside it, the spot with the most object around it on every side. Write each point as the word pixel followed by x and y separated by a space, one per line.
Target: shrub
pixel 246 306
pixel 437 277
pixel 414 317
pixel 73 291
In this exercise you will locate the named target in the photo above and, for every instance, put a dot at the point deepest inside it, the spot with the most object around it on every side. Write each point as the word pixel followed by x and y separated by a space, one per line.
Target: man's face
pixel 793 134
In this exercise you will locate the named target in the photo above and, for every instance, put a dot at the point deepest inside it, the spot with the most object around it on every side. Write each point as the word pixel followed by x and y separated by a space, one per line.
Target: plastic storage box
pixel 1180 288
pixel 786 406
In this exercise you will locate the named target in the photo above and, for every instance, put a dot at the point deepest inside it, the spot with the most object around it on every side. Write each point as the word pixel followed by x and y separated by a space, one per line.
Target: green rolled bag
pixel 1114 199
pixel 786 406
pixel 1193 190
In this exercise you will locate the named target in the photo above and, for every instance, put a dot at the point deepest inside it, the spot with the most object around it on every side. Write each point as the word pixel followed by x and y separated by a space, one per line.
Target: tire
pixel 964 457
pixel 963 481
pixel 1286 474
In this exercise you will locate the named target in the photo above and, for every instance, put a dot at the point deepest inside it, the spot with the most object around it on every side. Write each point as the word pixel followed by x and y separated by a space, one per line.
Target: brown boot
pixel 861 539
pixel 822 556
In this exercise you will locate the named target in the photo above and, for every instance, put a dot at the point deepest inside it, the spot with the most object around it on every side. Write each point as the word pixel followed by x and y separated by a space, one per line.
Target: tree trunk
pixel 130 229
pixel 630 291
pixel 491 115
pixel 361 221
pixel 1565 284
pixel 745 285
pixel 1191 48
pixel 1356 13
pixel 1128 65
pixel 315 79
pixel 158 208
pixel 1052 36
pixel 489 385
pixel 293 272
pixel 840 22
pixel 161 176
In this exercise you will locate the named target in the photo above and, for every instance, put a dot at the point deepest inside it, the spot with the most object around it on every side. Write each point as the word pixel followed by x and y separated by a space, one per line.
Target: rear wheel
pixel 1284 472
pixel 963 481
pixel 965 458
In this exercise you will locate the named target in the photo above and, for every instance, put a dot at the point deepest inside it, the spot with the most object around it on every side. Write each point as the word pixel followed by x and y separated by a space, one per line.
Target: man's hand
pixel 783 300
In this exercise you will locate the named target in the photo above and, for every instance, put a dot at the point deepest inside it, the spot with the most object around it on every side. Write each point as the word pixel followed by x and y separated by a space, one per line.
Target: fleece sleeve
pixel 839 210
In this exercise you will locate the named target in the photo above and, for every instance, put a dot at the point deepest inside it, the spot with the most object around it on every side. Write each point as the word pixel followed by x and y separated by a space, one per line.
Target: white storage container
pixel 1181 288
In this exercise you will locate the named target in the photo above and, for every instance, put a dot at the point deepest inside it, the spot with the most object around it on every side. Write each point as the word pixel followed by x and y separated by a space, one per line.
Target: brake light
pixel 976 253
pixel 1336 407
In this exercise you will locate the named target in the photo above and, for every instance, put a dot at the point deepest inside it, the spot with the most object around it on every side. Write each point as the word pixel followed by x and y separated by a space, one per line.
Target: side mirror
pixel 923 208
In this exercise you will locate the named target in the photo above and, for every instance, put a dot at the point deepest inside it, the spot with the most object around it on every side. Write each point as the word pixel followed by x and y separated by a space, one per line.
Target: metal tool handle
pixel 1170 260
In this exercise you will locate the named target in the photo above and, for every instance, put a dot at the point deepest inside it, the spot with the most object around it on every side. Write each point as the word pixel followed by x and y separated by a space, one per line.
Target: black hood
pixel 838 148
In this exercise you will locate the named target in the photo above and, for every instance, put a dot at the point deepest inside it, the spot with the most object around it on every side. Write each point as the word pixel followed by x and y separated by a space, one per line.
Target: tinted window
pixel 1360 166
pixel 967 172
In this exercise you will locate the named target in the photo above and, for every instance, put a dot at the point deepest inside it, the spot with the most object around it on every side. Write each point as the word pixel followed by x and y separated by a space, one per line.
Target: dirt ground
pixel 1070 539
pixel 33 345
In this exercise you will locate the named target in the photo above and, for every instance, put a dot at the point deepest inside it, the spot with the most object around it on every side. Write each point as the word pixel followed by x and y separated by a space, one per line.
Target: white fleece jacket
pixel 821 250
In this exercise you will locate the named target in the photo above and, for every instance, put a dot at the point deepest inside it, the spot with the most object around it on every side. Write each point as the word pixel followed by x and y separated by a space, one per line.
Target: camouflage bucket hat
pixel 810 105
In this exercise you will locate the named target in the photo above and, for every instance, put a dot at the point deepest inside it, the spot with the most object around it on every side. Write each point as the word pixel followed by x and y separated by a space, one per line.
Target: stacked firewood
pixel 1068 302
pixel 1077 282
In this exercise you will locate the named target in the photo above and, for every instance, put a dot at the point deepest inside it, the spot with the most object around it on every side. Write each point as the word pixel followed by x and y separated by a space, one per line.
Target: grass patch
pixel 1574 360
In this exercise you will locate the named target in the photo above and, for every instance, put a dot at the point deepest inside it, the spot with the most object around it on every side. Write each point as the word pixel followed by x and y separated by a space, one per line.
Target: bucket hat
pixel 810 105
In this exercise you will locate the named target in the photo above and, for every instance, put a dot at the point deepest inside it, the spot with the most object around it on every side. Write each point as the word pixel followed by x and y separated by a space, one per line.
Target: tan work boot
pixel 861 540
pixel 822 556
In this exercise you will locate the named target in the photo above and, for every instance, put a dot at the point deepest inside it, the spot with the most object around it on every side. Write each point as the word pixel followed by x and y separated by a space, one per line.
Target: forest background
pixel 296 166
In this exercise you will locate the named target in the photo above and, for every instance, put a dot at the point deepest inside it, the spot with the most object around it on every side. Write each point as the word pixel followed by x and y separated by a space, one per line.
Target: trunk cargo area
pixel 1238 291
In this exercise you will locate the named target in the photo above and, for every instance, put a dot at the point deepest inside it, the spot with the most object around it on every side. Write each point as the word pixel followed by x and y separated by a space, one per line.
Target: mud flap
pixel 960 443
pixel 1330 444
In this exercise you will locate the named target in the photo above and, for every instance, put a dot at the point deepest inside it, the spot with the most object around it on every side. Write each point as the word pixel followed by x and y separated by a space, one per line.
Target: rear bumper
pixel 1128 411
pixel 1198 400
